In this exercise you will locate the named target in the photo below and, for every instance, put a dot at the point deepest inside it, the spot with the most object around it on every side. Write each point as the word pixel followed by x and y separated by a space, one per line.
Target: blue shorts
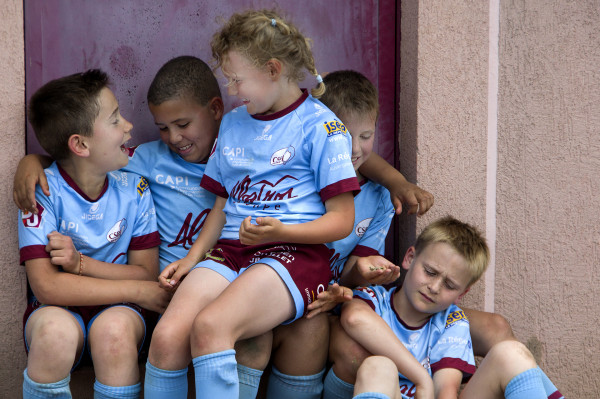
pixel 304 268
pixel 85 316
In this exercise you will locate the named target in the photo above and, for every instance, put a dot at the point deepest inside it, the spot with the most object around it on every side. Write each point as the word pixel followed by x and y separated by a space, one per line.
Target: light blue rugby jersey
pixel 373 213
pixel 123 218
pixel 284 165
pixel 181 204
pixel 443 342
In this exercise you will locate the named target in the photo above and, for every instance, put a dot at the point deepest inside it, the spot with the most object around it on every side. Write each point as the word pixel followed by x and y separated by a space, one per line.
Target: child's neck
pixel 406 311
pixel 88 180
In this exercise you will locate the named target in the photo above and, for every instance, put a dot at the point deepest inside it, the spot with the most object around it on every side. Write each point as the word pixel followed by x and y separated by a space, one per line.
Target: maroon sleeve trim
pixel 340 187
pixel 213 186
pixel 370 303
pixel 32 252
pixel 361 250
pixel 452 363
pixel 144 242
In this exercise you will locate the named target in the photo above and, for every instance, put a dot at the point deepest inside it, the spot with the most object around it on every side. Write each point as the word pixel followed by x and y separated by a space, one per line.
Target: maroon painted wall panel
pixel 132 39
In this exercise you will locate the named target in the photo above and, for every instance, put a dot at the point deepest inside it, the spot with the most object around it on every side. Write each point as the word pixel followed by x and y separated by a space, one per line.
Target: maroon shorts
pixel 304 268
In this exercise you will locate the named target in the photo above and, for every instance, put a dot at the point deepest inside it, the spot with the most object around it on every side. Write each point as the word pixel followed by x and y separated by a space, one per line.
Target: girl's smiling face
pixel 257 88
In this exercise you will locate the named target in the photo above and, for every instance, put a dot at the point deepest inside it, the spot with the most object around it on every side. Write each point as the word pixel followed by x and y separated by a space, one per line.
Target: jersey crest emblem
pixel 117 230
pixel 282 156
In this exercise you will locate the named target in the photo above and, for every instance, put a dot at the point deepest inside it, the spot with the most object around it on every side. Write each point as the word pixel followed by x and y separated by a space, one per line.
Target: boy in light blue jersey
pixel 91 249
pixel 421 317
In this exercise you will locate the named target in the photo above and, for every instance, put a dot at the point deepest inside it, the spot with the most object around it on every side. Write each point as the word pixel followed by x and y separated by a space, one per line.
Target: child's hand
pixel 377 270
pixel 170 278
pixel 327 300
pixel 63 252
pixel 409 195
pixel 29 173
pixel 266 229
pixel 152 296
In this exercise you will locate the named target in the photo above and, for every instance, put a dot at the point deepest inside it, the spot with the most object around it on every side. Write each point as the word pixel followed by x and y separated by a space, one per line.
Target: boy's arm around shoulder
pixel 402 192
pixel 335 224
pixel 368 329
pixel 30 172
pixel 172 275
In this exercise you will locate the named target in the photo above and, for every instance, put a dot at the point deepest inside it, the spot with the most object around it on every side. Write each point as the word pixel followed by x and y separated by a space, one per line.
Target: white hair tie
pixel 273 22
pixel 319 79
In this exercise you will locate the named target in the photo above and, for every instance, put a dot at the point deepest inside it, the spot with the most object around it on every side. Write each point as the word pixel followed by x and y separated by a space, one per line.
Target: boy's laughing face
pixel 188 128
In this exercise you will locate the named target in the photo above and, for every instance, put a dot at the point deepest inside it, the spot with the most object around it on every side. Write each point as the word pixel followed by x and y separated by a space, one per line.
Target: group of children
pixel 246 244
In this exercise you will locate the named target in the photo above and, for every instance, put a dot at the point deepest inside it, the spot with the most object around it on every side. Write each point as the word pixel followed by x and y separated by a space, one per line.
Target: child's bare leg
pixel 345 354
pixel 252 304
pixel 299 358
pixel 487 329
pixel 300 348
pixel 55 340
pixel 169 347
pixel 504 361
pixel 377 374
pixel 115 336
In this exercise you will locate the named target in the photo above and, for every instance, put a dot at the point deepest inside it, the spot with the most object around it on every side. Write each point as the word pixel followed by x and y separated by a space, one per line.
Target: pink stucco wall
pixel 512 87
pixel 544 192
pixel 12 120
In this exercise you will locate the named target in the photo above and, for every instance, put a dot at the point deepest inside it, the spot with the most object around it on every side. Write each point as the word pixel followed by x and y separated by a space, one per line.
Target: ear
pixel 78 145
pixel 409 256
pixel 274 68
pixel 461 296
pixel 217 107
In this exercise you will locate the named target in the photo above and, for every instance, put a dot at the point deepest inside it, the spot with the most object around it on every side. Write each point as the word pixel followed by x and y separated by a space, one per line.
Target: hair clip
pixel 319 79
pixel 273 22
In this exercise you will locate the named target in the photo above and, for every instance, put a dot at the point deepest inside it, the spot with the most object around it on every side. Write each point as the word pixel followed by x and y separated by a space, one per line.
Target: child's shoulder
pixel 127 182
pixel 150 149
pixel 453 316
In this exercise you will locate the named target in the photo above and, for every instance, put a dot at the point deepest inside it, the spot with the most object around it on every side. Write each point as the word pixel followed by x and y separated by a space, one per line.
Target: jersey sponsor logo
pixel 142 186
pixel 264 136
pixel 211 254
pixel 234 152
pixel 93 213
pixel 120 177
pixel 190 229
pixel 247 192
pixel 171 180
pixel 117 230
pixel 310 295
pixel 282 156
pixel 320 110
pixel 454 317
pixel 362 226
pixel 338 158
pixel 334 127
pixel 31 219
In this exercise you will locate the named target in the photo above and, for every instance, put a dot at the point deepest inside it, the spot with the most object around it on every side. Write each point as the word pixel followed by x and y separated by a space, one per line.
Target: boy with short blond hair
pixel 421 316
pixel 90 251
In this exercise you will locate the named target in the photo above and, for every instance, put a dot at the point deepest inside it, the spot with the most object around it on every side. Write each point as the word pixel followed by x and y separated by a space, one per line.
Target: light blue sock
pixel 102 391
pixel 165 384
pixel 249 381
pixel 527 385
pixel 294 387
pixel 334 388
pixel 551 390
pixel 371 395
pixel 34 390
pixel 216 375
